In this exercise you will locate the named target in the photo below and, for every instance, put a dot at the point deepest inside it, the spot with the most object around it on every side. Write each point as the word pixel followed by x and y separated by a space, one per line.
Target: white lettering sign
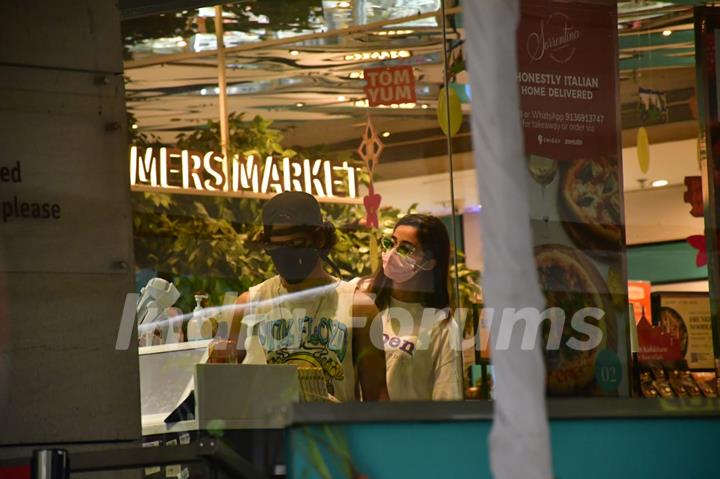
pixel 183 170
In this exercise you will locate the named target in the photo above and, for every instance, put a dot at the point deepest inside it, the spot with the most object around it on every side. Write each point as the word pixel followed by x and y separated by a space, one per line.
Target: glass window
pixel 348 102
pixel 334 201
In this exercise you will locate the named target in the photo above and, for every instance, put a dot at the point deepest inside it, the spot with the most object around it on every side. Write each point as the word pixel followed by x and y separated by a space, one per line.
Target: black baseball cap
pixel 292 208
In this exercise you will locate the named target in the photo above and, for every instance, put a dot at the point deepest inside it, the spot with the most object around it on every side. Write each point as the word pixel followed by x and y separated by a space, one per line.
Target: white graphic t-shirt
pixel 311 328
pixel 422 353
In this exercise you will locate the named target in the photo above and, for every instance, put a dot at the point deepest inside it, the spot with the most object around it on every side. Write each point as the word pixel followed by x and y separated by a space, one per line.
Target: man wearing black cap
pixel 305 316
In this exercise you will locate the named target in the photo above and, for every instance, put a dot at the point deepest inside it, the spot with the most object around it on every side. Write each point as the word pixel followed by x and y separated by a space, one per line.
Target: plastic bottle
pixel 199 327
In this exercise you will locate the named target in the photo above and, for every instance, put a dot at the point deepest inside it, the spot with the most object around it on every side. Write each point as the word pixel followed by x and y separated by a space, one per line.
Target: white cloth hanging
pixel 519 439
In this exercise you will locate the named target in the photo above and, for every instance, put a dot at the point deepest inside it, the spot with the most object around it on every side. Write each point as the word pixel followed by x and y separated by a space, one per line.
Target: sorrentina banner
pixel 567 79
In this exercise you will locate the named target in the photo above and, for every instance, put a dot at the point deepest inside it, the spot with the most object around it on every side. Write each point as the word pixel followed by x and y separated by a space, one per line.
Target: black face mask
pixel 294 264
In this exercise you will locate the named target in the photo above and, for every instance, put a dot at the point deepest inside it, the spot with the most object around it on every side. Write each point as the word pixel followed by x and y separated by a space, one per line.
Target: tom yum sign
pixel 189 172
pixel 389 86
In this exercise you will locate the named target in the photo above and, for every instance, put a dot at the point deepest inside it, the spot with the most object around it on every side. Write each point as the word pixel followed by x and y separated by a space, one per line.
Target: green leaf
pixel 317 460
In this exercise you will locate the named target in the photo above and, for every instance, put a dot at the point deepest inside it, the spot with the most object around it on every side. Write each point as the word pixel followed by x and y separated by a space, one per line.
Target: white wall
pixel 671 161
pixel 659 214
pixel 430 192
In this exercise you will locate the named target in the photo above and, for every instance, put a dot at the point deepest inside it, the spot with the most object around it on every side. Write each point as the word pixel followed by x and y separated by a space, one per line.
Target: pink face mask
pixel 398 269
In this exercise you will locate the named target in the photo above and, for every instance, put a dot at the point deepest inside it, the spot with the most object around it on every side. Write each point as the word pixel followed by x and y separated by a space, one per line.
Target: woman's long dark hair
pixel 433 238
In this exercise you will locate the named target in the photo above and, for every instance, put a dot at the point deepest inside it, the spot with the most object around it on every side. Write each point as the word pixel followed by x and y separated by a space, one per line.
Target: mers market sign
pixel 188 172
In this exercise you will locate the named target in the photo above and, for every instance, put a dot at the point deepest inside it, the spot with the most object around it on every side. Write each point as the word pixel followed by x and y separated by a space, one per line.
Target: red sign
pixel 693 195
pixel 567 77
pixel 389 86
pixel 639 297
pixel 655 345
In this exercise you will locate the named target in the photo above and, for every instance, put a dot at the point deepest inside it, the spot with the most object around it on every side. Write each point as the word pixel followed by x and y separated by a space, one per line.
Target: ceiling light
pixel 385 134
pixel 424 106
pixel 294 53
pixel 378 55
pixel 182 43
pixel 342 4
pixel 667 33
pixel 659 183
pixel 383 33
pixel 342 98
pixel 203 91
pixel 299 104
pixel 134 126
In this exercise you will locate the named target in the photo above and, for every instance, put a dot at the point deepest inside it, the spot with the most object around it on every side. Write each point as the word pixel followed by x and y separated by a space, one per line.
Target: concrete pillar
pixel 65 227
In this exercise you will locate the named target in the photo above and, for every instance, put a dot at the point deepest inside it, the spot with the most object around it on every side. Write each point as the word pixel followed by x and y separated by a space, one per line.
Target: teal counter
pixel 611 438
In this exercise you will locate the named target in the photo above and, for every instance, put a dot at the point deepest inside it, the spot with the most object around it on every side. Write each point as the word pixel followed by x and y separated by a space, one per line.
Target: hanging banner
pixel 567 81
pixel 389 86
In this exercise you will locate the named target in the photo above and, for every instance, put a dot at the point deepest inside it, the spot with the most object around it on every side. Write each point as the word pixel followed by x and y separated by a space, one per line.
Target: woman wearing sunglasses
pixel 411 291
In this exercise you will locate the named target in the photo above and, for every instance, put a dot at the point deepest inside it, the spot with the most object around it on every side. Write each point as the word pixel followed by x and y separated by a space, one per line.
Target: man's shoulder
pixel 267 285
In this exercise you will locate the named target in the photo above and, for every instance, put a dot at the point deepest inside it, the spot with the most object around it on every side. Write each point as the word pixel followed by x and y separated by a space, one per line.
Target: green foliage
pixel 201 242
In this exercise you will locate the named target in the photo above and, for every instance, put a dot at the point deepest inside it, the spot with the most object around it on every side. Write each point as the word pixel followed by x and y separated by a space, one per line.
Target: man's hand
pixel 231 349
pixel 225 351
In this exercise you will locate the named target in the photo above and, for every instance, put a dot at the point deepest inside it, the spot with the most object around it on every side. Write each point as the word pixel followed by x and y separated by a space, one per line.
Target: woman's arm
pixel 368 359
pixel 447 363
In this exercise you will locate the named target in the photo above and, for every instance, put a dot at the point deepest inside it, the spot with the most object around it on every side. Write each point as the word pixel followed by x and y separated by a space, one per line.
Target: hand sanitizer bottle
pixel 198 325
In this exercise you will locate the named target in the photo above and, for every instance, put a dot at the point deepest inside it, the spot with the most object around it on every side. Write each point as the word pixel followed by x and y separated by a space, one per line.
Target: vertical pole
pixel 359 15
pixel 707 33
pixel 222 92
pixel 50 464
pixel 451 171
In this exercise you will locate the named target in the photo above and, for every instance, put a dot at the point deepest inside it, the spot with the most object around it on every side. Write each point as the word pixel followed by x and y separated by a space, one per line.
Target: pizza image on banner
pixel 571 283
pixel 590 200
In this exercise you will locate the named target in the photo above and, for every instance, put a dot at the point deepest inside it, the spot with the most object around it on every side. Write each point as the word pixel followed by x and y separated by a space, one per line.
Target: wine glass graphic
pixel 543 170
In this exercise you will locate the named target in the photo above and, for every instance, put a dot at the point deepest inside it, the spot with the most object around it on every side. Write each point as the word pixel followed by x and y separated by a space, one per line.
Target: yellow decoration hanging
pixel 374 253
pixel 701 156
pixel 643 149
pixel 455 112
